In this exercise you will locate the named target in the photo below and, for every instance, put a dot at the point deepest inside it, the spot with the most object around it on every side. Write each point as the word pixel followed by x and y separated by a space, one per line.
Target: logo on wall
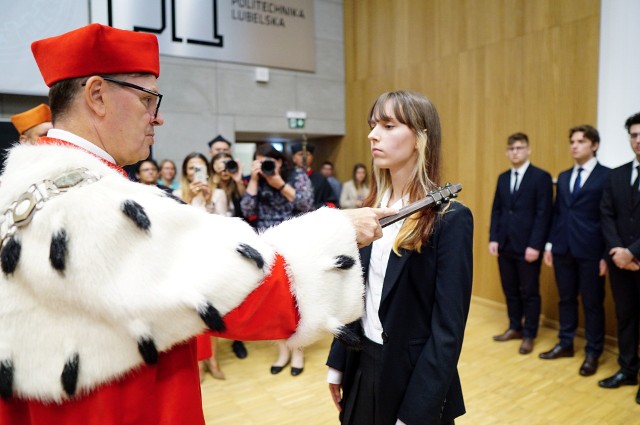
pixel 278 33
pixel 216 41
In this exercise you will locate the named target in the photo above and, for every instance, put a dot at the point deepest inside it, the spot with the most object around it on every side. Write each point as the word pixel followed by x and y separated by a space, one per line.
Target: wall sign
pixel 275 33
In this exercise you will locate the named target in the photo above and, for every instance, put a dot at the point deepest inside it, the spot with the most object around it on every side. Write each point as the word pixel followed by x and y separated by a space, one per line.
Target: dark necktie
pixel 515 182
pixel 577 183
pixel 636 182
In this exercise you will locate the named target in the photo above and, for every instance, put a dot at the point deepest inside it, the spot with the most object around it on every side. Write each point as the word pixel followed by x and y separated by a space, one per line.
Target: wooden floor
pixel 500 386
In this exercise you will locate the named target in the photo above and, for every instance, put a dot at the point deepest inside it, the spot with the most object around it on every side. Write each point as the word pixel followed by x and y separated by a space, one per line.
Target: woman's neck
pixel 399 182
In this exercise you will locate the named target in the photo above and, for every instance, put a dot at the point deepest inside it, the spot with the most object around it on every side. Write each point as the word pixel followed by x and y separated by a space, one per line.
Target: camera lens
pixel 231 166
pixel 268 167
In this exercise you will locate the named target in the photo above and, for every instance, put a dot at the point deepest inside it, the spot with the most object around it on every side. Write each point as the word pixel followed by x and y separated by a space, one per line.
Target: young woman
pixel 418 283
pixel 229 181
pixel 355 190
pixel 274 191
pixel 167 172
pixel 196 185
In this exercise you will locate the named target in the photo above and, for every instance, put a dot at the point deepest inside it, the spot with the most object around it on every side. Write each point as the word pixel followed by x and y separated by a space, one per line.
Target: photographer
pixel 275 189
pixel 196 188
pixel 227 176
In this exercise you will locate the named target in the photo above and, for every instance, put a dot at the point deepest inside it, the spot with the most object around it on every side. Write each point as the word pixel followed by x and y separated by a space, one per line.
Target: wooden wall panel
pixel 492 67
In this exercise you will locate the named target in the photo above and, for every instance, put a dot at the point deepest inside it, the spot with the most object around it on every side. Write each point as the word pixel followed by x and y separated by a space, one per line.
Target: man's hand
pixel 336 395
pixel 493 248
pixel 548 258
pixel 531 255
pixel 602 268
pixel 623 258
pixel 365 221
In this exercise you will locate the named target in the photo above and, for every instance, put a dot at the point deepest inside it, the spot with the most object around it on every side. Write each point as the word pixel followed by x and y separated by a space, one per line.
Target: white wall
pixel 619 78
pixel 205 98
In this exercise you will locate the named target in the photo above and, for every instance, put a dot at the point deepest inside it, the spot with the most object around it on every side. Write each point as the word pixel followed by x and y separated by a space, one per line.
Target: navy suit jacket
pixel 522 219
pixel 423 310
pixel 620 213
pixel 575 224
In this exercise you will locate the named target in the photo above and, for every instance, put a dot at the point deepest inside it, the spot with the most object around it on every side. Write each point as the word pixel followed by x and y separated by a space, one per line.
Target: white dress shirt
pixel 521 170
pixel 56 133
pixel 587 168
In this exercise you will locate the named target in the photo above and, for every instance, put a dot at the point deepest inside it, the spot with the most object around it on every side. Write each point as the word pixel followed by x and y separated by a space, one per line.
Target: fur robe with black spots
pixel 110 279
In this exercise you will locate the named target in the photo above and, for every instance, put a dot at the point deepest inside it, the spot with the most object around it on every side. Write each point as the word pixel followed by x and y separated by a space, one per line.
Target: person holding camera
pixel 196 187
pixel 275 189
pixel 227 176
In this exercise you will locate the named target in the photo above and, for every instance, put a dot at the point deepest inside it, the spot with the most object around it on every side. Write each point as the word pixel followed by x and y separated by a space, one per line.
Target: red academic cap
pixel 95 50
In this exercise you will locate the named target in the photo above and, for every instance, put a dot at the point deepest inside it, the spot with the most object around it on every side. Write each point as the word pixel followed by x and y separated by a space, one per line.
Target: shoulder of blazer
pixel 538 172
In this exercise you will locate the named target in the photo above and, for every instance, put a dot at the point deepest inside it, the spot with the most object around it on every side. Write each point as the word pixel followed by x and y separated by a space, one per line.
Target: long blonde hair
pixel 418 113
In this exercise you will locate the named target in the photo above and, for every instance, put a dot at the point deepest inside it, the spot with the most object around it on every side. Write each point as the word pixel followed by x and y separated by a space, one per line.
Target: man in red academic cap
pixel 33 123
pixel 105 282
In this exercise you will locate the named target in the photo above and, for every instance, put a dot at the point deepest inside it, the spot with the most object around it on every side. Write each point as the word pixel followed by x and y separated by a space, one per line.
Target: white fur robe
pixel 121 283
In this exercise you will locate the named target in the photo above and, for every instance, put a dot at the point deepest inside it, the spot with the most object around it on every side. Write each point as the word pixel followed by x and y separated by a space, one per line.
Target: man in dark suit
pixel 519 224
pixel 620 209
pixel 576 249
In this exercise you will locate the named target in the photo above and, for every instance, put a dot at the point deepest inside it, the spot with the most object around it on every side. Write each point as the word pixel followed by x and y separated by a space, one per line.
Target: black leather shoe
pixel 277 369
pixel 589 366
pixel 508 335
pixel 527 346
pixel 620 378
pixel 556 352
pixel 239 349
pixel 295 371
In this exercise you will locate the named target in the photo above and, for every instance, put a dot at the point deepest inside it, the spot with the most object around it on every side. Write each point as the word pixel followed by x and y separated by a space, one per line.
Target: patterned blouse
pixel 269 207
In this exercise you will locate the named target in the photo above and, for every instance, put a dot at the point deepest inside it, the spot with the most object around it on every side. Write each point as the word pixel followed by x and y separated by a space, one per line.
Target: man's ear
pixel 23 138
pixel 94 91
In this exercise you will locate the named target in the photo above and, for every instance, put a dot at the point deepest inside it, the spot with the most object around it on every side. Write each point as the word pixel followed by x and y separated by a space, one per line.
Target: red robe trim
pixel 268 313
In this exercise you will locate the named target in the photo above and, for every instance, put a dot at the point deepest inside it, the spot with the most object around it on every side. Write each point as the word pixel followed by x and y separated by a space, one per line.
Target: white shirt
pixel 56 133
pixel 587 168
pixel 380 253
pixel 521 170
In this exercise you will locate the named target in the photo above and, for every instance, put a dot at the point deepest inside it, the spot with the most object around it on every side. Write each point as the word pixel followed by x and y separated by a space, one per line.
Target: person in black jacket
pixel 323 195
pixel 520 219
pixel 418 283
pixel 620 209
pixel 576 249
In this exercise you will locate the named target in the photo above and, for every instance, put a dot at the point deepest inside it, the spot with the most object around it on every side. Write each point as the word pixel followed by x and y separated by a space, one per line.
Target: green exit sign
pixel 296 119
pixel 296 122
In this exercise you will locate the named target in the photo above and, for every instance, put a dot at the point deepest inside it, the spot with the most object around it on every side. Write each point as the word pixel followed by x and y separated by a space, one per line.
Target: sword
pixel 435 197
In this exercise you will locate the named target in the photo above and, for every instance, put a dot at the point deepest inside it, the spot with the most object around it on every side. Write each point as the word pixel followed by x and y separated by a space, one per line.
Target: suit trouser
pixel 579 276
pixel 521 286
pixel 625 286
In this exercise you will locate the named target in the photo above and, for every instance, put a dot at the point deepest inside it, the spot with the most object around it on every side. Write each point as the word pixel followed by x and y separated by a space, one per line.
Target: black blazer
pixel 575 224
pixel 423 311
pixel 620 214
pixel 523 218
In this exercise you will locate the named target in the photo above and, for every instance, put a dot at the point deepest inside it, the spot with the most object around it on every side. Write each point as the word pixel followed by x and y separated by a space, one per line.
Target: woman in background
pixel 229 181
pixel 418 283
pixel 197 189
pixel 276 189
pixel 167 170
pixel 355 190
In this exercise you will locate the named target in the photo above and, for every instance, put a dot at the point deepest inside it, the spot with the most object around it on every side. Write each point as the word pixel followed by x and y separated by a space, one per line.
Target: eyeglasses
pixel 137 87
pixel 516 148
pixel 634 136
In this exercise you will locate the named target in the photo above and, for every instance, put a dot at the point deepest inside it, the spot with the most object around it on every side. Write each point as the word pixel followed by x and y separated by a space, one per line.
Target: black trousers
pixel 625 286
pixel 575 277
pixel 521 286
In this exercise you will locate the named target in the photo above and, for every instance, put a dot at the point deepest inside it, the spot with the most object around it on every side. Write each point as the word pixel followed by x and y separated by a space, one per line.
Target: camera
pixel 268 167
pixel 200 175
pixel 231 166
